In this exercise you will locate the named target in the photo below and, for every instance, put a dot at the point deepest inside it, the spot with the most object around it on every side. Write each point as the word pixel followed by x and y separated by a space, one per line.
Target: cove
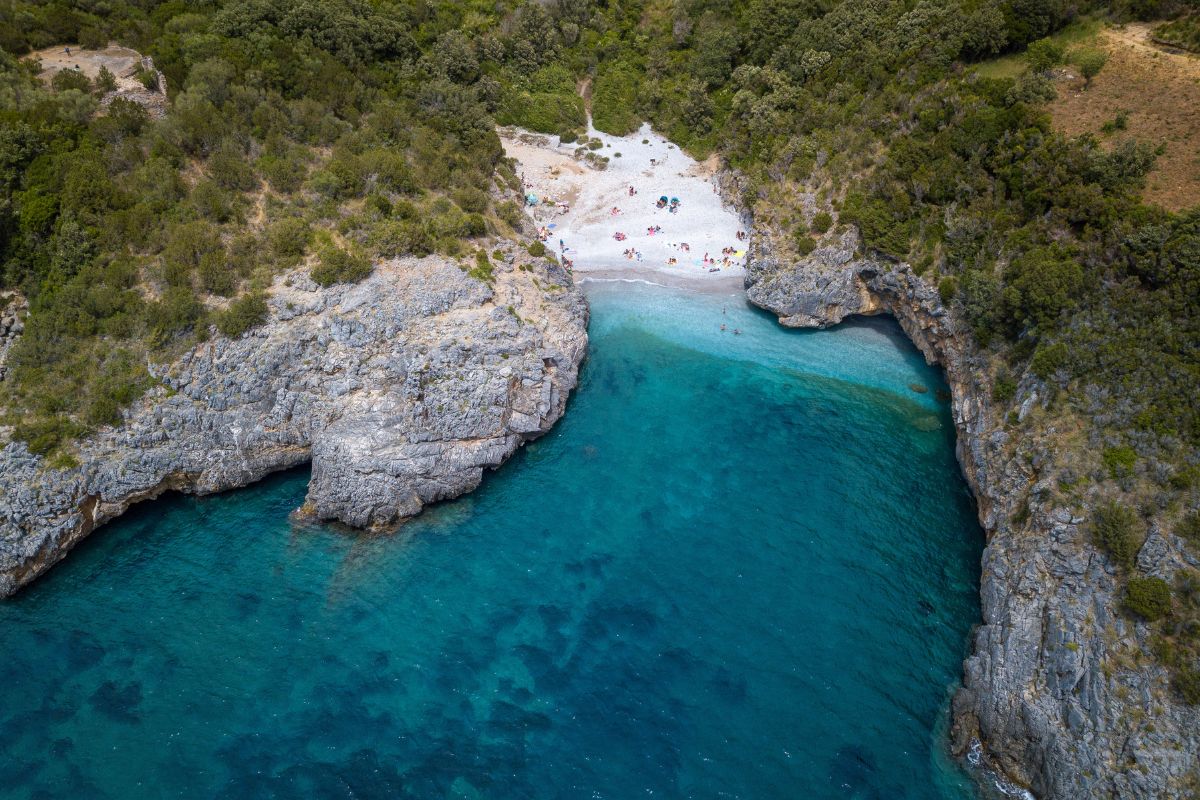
pixel 740 566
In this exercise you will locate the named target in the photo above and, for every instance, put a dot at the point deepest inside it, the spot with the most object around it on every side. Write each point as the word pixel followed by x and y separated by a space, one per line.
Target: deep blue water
pixel 741 566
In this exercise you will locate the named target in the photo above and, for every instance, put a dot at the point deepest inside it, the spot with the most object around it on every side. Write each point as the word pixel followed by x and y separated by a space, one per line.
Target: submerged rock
pixel 401 390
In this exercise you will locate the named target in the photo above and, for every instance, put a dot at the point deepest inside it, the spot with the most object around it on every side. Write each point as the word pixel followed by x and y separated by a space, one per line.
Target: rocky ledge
pixel 1060 695
pixel 400 390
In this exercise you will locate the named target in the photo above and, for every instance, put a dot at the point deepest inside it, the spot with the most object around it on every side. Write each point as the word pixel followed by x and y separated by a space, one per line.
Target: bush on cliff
pixel 1186 681
pixel 1149 598
pixel 243 314
pixel 340 266
pixel 1189 527
pixel 1114 530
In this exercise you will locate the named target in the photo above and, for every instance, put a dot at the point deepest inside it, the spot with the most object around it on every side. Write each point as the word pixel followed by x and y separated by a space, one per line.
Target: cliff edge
pixel 400 390
pixel 1060 694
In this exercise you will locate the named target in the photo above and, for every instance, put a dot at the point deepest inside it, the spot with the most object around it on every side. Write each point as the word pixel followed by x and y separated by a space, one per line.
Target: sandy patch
pixel 654 167
pixel 122 62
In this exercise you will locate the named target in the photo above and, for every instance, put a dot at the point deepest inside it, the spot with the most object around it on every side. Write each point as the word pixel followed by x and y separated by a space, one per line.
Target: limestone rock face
pixel 13 309
pixel 401 390
pixel 1060 694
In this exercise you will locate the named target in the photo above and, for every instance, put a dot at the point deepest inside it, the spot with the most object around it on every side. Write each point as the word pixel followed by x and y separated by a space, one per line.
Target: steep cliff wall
pixel 400 390
pixel 1059 687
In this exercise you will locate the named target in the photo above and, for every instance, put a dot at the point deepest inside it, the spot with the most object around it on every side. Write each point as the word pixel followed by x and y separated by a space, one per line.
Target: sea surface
pixel 742 566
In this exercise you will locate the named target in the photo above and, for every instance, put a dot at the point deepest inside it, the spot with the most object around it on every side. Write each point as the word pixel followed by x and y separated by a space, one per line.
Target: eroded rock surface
pixel 401 390
pixel 1060 688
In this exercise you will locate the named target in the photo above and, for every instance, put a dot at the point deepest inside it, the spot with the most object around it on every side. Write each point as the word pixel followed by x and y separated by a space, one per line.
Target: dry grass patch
pixel 1158 95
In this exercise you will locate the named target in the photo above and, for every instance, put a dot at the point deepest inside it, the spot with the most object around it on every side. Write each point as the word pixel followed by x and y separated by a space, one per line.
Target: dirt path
pixel 1137 35
pixel 584 90
pixel 121 61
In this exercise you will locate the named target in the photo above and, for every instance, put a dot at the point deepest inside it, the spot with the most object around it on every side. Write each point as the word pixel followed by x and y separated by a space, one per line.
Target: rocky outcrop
pixel 13 310
pixel 1059 693
pixel 401 390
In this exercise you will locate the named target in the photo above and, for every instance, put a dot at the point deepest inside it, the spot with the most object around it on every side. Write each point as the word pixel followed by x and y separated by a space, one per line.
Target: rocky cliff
pixel 400 390
pixel 1060 694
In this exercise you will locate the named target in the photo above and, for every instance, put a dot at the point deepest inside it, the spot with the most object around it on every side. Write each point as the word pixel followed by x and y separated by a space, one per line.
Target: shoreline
pixel 602 208
pixel 721 286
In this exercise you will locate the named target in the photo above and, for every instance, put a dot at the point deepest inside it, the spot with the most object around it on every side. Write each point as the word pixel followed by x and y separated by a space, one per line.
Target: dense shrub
pixel 1186 681
pixel 948 288
pixel 340 266
pixel 470 199
pixel 545 101
pixel 1005 388
pixel 1189 527
pixel 1049 359
pixel 1114 530
pixel 245 313
pixel 1119 460
pixel 614 99
pixel 392 238
pixel 42 436
pixel 288 238
pixel 511 213
pixel 1149 598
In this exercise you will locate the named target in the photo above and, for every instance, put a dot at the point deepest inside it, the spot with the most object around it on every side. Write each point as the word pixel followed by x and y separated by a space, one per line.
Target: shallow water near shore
pixel 740 566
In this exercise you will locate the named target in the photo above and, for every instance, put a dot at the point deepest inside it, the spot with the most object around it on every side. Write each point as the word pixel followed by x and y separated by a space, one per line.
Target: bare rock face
pixel 13 310
pixel 1060 694
pixel 401 390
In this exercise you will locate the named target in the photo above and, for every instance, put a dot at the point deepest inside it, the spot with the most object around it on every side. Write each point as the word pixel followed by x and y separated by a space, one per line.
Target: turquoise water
pixel 740 567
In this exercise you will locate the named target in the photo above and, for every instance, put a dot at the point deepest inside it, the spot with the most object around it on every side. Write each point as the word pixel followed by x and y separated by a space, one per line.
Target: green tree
pixel 1090 61
pixel 1044 54
pixel 105 81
